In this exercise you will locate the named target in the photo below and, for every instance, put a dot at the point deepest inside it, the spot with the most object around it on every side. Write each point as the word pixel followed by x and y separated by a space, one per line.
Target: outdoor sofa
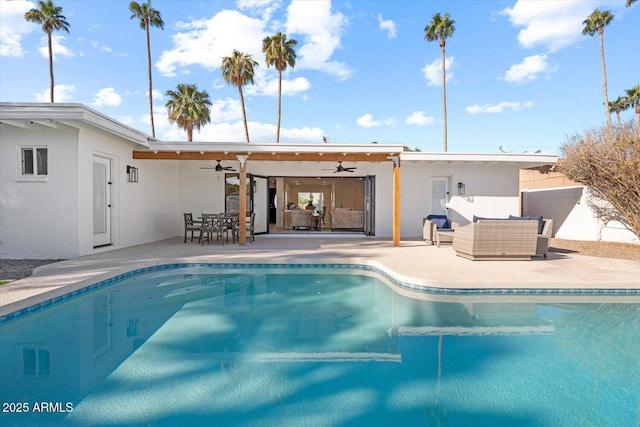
pixel 515 238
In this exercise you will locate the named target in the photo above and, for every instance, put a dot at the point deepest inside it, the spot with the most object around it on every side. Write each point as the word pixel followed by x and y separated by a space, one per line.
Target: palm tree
pixel 280 53
pixel 189 108
pixel 620 104
pixel 51 18
pixel 148 17
pixel 628 3
pixel 633 100
pixel 238 70
pixel 440 28
pixel 595 23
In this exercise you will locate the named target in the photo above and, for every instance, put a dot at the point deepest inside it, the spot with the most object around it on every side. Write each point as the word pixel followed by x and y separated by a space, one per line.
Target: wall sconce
pixel 132 174
pixel 461 189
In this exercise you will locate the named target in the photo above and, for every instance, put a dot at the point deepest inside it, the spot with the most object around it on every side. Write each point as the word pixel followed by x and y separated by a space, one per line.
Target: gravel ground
pixel 599 249
pixel 14 269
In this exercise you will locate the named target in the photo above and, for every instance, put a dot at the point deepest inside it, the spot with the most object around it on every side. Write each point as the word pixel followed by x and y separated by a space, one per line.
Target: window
pixel 315 199
pixel 34 161
pixel 35 361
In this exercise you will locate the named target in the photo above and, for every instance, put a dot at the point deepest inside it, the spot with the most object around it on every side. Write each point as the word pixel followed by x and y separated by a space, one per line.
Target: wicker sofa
pixel 347 219
pixel 497 240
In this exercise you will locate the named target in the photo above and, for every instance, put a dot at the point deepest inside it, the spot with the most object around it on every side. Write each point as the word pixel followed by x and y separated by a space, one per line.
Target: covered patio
pixel 273 164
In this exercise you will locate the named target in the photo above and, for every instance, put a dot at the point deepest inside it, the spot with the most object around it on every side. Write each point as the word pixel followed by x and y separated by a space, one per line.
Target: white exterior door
pixel 101 201
pixel 439 195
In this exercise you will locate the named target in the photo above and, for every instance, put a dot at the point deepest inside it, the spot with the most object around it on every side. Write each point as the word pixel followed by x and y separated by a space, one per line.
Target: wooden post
pixel 396 201
pixel 242 207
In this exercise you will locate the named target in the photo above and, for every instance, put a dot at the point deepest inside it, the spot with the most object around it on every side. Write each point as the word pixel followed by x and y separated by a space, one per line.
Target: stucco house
pixel 75 182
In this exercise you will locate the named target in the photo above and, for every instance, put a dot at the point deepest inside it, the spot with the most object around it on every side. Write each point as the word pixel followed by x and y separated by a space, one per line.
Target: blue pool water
pixel 279 347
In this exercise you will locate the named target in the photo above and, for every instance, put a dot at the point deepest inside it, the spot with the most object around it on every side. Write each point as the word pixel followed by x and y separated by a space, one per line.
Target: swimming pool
pixel 314 346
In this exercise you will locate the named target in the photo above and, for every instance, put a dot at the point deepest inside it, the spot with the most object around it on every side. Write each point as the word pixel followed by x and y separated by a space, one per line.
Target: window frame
pixel 35 166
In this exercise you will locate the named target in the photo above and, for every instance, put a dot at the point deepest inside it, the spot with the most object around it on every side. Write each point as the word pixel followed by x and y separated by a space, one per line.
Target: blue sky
pixel 520 75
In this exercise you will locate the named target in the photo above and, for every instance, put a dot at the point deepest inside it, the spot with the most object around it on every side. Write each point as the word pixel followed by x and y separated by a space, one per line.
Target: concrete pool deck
pixel 413 261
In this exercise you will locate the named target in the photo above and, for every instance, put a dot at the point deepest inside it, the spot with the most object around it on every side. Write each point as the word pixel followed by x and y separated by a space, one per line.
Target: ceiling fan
pixel 340 168
pixel 219 168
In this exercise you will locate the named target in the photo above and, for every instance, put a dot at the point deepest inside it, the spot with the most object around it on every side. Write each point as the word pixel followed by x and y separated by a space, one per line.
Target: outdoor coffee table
pixel 444 236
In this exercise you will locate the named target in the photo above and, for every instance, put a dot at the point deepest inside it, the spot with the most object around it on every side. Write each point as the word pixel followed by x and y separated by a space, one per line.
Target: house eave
pixel 70 114
pixel 523 161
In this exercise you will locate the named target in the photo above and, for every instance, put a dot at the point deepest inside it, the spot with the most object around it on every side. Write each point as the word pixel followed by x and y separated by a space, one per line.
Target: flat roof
pixel 535 159
pixel 49 114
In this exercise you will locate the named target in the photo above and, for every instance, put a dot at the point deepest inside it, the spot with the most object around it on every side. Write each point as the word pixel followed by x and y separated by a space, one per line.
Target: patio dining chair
pixel 231 221
pixel 251 227
pixel 191 225
pixel 212 224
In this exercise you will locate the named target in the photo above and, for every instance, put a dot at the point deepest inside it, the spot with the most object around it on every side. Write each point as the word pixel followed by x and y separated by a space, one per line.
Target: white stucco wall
pixel 491 190
pixel 39 217
pixel 574 218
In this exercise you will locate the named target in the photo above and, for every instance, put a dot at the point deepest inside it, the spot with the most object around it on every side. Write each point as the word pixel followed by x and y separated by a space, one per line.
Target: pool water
pixel 260 347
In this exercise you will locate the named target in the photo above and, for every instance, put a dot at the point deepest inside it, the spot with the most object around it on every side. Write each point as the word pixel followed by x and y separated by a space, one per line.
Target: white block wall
pixel 573 215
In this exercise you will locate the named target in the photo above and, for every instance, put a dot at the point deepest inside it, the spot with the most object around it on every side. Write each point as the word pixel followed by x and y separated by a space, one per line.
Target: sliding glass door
pixel 370 205
pixel 257 198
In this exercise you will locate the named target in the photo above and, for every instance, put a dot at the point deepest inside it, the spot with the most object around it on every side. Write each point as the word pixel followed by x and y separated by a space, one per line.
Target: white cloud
pixel 61 93
pixel 107 97
pixel 263 8
pixel 98 46
pixel 367 121
pixel 156 94
pixel 387 25
pixel 552 24
pixel 419 118
pixel 56 45
pixel 498 108
pixel 433 72
pixel 529 69
pixel 321 31
pixel 225 110
pixel 205 42
pixel 13 26
pixel 270 87
pixel 258 133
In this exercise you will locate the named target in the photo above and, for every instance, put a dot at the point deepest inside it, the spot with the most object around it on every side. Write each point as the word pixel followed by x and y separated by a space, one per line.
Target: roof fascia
pixel 230 147
pixel 524 160
pixel 70 114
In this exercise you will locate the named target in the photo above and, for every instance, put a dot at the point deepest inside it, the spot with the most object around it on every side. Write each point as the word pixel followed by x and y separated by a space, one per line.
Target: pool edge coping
pixel 402 282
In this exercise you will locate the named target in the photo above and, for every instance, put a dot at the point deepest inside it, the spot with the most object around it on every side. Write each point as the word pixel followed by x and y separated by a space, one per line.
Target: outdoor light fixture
pixel 461 189
pixel 132 174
